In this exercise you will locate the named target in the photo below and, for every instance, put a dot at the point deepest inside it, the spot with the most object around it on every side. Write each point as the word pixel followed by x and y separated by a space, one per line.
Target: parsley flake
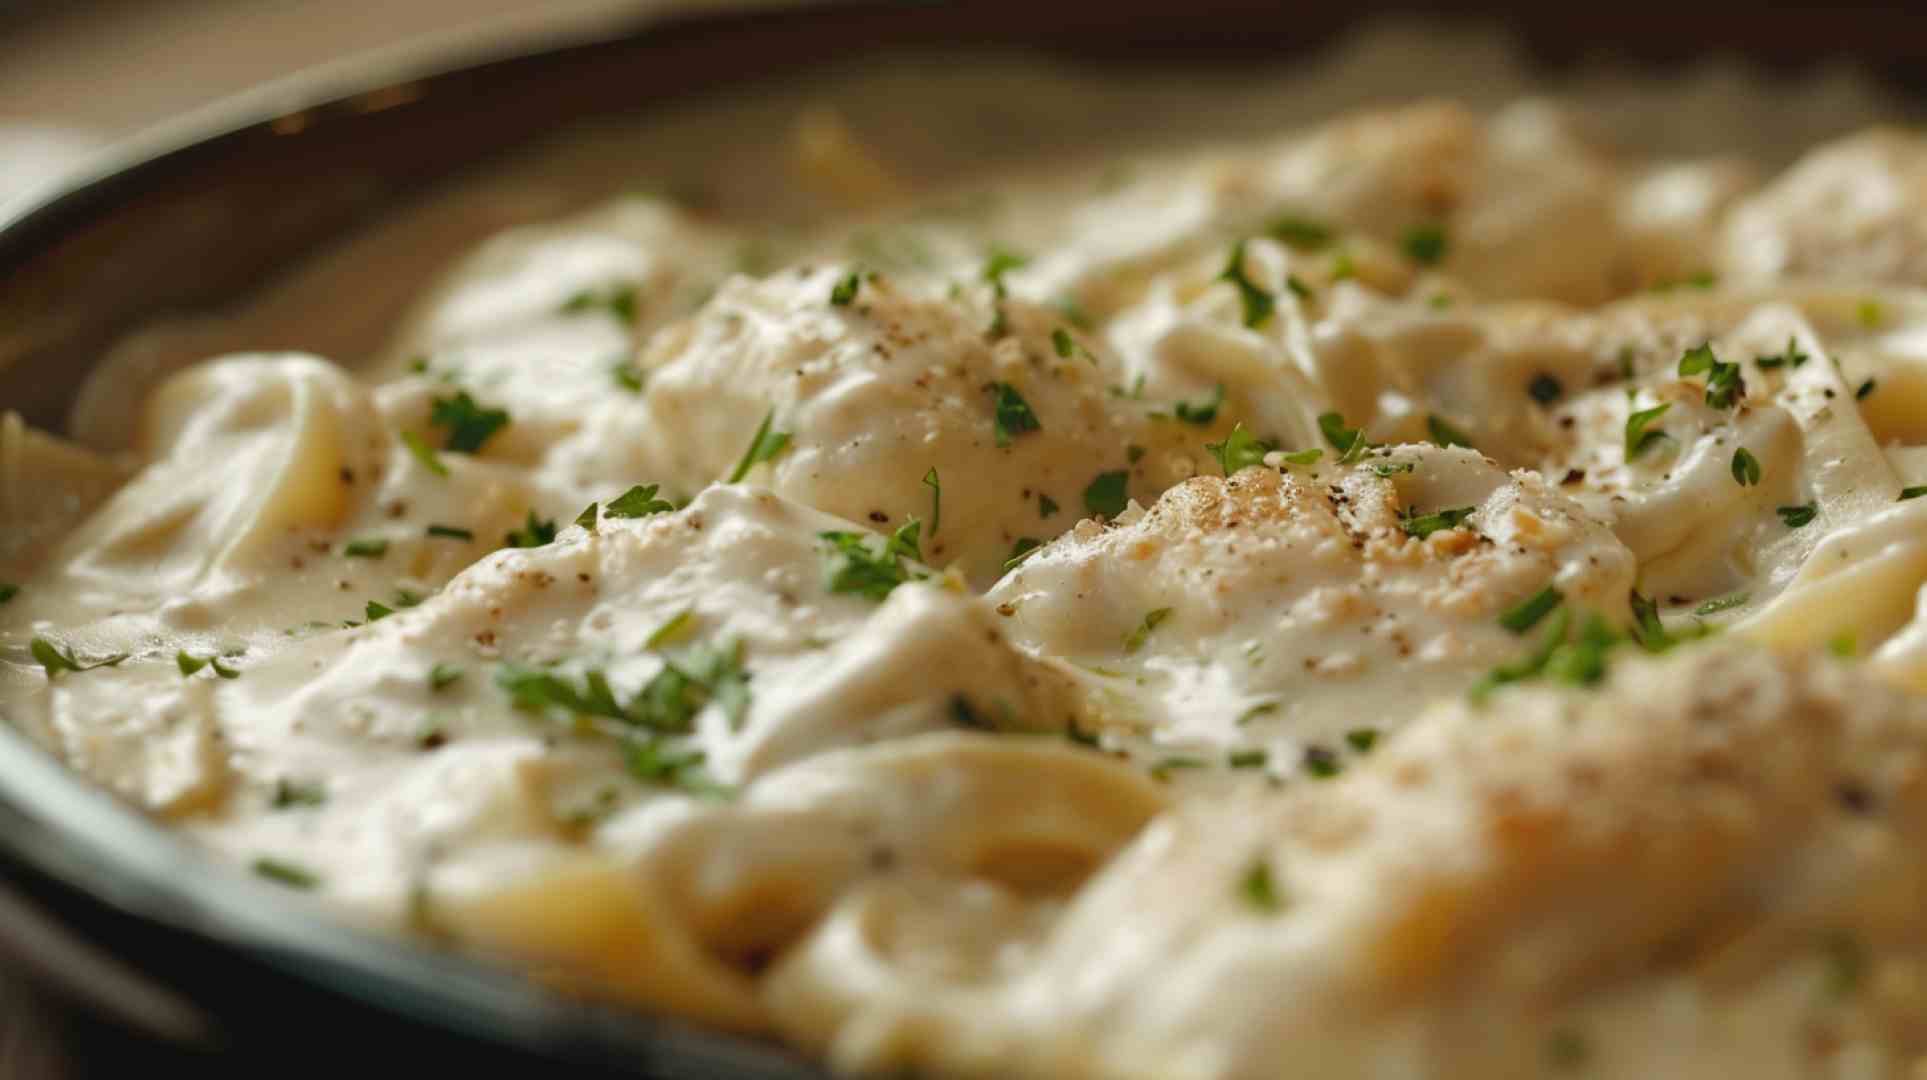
pixel 1639 436
pixel 286 873
pixel 8 592
pixel 1239 450
pixel 860 565
pixel 1135 640
pixel 469 424
pixel 1257 303
pixel 1724 386
pixel 763 446
pixel 638 501
pixel 534 533
pixel 1425 244
pixel 1258 888
pixel 1911 493
pixel 1746 468
pixel 1865 389
pixel 292 793
pixel 55 658
pixel 1527 614
pixel 1107 495
pixel 1350 443
pixel 1046 506
pixel 1204 412
pixel 1013 414
pixel 1060 340
pixel 424 453
pixel 442 676
pixel 844 292
pixel 619 303
pixel 365 549
pixel 450 532
pixel 1301 234
pixel 1796 516
pixel 190 665
pixel 589 516
pixel 1362 739
pixel 1424 525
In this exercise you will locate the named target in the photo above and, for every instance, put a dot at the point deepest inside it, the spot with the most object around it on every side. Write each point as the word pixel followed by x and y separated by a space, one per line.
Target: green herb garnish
pixel 844 292
pixel 1046 506
pixel 935 483
pixel 1527 614
pixel 1424 525
pixel 1746 468
pixel 638 501
pixel 365 549
pixel 1300 233
pixel 1349 442
pixel 442 676
pixel 1724 386
pixel 1013 414
pixel 620 303
pixel 286 873
pixel 469 424
pixel 1258 889
pixel 450 532
pixel 1204 412
pixel 424 453
pixel 1426 244
pixel 1911 493
pixel 1239 450
pixel 1257 303
pixel 1639 437
pixel 190 665
pixel 534 533
pixel 1724 603
pixel 1796 516
pixel 291 793
pixel 1021 550
pixel 55 658
pixel 867 565
pixel 1134 640
pixel 763 446
pixel 1444 434
pixel 1107 495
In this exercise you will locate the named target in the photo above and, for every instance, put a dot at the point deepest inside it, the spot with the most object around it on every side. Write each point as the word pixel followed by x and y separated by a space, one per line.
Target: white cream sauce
pixel 982 654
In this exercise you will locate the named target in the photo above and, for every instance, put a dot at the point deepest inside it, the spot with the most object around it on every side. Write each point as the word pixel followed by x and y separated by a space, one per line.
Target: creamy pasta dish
pixel 1432 592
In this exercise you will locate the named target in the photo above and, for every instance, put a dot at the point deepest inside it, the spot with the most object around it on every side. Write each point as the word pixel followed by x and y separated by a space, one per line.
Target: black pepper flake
pixel 1854 797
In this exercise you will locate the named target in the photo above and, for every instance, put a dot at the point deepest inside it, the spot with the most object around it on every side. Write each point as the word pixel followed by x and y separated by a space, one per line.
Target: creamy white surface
pixel 1004 820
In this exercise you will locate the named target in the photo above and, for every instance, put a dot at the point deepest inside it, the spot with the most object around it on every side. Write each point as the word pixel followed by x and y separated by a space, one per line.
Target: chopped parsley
pixel 1530 665
pixel 672 631
pixel 1107 496
pixel 1013 414
pixel 1639 435
pixel 1746 467
pixel 935 483
pixel 1424 525
pixel 8 592
pixel 1322 763
pixel 1724 603
pixel 1870 313
pixel 999 264
pixel 1444 434
pixel 1021 550
pixel 286 873
pixel 628 377
pixel 1865 389
pixel 365 549
pixel 1246 759
pixel 1302 234
pixel 375 611
pixel 469 424
pixel 844 292
pixel 292 793
pixel 1310 456
pixel 638 501
pixel 1164 768
pixel 534 532
pixel 1724 386
pixel 1257 303
pixel 763 446
pixel 1135 640
pixel 1389 468
pixel 1527 614
pixel 667 704
pixel 1258 889
pixel 442 676
pixel 652 763
pixel 1349 442
pixel 1204 412
pixel 1792 357
pixel 589 516
pixel 620 303
pixel 55 658
pixel 857 564
pixel 1844 646
pixel 1425 244
pixel 1545 389
pixel 1239 450
pixel 1362 739
pixel 450 532
pixel 190 665
pixel 1911 493
pixel 1263 708
pixel 1648 630
pixel 1298 287
pixel 424 453
pixel 1046 506
pixel 1796 516
pixel 1060 340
